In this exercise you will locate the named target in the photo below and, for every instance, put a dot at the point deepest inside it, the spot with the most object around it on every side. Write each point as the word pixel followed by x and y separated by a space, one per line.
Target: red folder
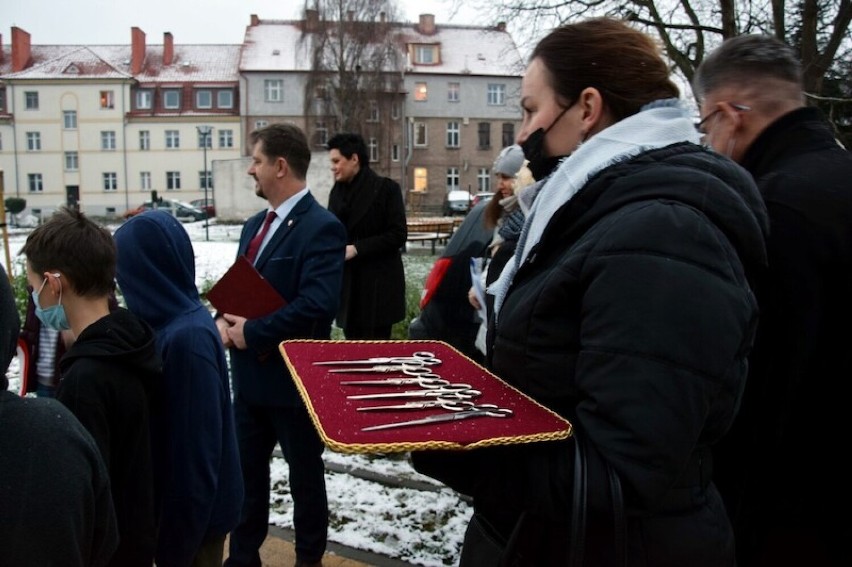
pixel 243 291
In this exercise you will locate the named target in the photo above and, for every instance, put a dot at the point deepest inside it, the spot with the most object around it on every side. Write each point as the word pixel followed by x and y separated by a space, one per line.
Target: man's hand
pixel 234 330
pixel 223 325
pixel 351 251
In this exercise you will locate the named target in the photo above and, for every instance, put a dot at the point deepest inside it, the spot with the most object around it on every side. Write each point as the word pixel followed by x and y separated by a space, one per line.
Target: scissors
pixel 453 392
pixel 419 358
pixel 484 410
pixel 425 381
pixel 385 368
pixel 453 404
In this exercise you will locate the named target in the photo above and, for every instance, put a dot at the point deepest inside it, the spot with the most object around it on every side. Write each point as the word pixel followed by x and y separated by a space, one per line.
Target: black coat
pixel 632 317
pixel 108 378
pixel 785 454
pixel 373 292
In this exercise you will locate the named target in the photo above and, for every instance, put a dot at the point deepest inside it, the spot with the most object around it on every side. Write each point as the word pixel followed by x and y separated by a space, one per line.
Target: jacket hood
pixel 156 268
pixel 722 190
pixel 123 340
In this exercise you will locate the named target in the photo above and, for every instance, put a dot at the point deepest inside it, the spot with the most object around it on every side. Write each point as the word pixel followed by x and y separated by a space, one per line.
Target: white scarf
pixel 656 125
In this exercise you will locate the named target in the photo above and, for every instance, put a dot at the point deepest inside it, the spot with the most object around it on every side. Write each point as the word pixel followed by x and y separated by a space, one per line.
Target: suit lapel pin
pixel 290 222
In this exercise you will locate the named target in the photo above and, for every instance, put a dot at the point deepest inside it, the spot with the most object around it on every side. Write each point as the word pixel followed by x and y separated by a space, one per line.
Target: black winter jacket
pixel 632 317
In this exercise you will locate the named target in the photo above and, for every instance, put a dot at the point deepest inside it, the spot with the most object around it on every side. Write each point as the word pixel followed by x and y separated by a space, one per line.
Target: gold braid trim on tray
pixel 557 429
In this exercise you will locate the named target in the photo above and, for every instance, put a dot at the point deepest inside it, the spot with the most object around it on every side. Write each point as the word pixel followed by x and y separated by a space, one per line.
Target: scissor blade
pixel 341 362
pixel 371 369
pixel 427 420
pixel 390 382
pixel 405 406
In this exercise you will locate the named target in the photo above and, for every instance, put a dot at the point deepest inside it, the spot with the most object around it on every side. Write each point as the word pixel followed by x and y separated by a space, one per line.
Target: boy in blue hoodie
pixel 196 468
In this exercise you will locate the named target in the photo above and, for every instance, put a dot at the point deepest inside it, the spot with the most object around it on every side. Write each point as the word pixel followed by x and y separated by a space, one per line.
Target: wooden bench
pixel 434 231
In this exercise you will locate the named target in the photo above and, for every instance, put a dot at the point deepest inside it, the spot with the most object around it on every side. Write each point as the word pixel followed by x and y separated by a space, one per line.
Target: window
pixel 484 135
pixel 204 99
pixel 107 139
pixel 273 90
pixel 172 139
pixel 395 152
pixel 425 54
pixel 508 134
pixel 258 124
pixel 145 180
pixel 31 103
pixel 144 140
pixel 421 92
pixel 496 94
pixel 226 138
pixel 373 144
pixel 453 92
pixel 69 119
pixel 420 138
pixel 421 179
pixel 2 99
pixel 395 111
pixel 34 141
pixel 35 182
pixel 144 100
pixel 171 99
pixel 321 133
pixel 373 113
pixel 452 179
pixel 110 181
pixel 225 99
pixel 483 179
pixel 72 161
pixel 107 100
pixel 453 134
pixel 205 179
pixel 205 140
pixel 172 180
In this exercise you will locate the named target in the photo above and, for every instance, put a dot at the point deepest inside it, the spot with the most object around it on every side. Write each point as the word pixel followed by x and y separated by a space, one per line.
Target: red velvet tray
pixel 339 423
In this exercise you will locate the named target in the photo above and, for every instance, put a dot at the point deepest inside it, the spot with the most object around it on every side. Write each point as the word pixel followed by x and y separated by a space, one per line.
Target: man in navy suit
pixel 300 250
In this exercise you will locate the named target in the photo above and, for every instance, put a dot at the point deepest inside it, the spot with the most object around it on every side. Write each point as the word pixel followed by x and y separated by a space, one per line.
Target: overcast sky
pixel 100 22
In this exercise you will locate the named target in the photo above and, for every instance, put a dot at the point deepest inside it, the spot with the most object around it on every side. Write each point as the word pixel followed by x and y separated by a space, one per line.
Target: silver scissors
pixel 419 358
pixel 453 404
pixel 484 410
pixel 456 391
pixel 385 368
pixel 427 381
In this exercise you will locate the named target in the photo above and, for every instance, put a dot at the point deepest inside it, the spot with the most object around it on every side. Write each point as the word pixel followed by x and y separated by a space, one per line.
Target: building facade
pixel 102 127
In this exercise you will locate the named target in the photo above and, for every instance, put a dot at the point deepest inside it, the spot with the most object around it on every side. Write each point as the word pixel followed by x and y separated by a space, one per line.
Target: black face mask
pixel 539 164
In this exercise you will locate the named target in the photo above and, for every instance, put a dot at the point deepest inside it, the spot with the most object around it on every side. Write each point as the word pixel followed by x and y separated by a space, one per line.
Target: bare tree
pixel 356 65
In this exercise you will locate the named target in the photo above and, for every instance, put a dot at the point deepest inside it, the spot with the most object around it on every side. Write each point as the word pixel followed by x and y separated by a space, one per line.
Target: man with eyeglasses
pixel 782 468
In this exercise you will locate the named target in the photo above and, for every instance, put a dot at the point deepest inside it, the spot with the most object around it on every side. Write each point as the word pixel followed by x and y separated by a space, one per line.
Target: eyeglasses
pixel 735 106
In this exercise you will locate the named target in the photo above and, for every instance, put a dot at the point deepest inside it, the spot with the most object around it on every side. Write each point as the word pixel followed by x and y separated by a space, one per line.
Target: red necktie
pixel 254 245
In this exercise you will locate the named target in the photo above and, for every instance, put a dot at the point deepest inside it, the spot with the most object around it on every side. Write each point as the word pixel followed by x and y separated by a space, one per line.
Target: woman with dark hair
pixel 627 309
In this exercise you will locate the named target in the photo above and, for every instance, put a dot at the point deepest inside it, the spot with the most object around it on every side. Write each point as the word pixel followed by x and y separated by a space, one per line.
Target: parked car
pixel 209 207
pixel 180 210
pixel 480 197
pixel 445 313
pixel 458 202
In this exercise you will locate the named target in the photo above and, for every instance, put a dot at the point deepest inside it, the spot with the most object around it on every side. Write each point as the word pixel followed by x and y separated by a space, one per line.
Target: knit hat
pixel 9 326
pixel 510 161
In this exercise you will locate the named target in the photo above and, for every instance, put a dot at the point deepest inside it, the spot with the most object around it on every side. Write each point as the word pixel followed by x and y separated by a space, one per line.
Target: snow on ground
pixel 421 527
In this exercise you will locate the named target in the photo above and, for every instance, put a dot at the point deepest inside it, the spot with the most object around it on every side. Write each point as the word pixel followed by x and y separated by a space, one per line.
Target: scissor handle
pixel 430 383
pixel 426 357
pixel 458 405
pixel 419 371
pixel 453 395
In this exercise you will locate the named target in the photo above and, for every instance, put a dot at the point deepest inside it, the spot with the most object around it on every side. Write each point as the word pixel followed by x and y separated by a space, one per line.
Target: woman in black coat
pixel 372 210
pixel 626 309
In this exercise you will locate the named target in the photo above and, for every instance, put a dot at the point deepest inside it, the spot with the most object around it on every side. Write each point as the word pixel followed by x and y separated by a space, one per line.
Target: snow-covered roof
pixel 278 45
pixel 190 63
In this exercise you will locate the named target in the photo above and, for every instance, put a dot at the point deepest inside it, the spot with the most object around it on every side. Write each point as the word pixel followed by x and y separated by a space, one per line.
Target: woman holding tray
pixel 627 309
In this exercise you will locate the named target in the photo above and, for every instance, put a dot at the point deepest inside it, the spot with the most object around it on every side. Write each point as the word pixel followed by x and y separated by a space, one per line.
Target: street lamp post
pixel 204 132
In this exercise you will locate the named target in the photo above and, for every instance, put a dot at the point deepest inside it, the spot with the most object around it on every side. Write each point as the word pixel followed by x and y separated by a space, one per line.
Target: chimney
pixel 21 54
pixel 427 24
pixel 311 20
pixel 168 48
pixel 501 26
pixel 254 20
pixel 137 50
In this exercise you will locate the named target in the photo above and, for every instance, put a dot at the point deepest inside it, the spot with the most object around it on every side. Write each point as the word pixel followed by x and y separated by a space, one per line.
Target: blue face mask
pixel 54 316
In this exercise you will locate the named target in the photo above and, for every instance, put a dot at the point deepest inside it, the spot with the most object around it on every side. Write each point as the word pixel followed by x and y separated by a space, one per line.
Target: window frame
pixel 109 181
pixel 35 183
pixel 69 119
pixel 108 141
pixel 144 140
pixel 453 92
pixel 71 161
pixel 33 141
pixel 453 134
pixel 198 95
pixel 420 128
pixel 173 181
pixel 421 91
pixel 453 174
pixel 172 138
pixel 166 95
pixel 31 101
pixel 145 180
pixel 227 135
pixel 496 94
pixel 273 90
pixel 230 94
pixel 147 95
pixel 106 100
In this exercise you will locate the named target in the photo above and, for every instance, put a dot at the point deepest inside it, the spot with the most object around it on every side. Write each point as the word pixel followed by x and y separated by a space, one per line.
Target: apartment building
pixel 101 127
pixel 444 107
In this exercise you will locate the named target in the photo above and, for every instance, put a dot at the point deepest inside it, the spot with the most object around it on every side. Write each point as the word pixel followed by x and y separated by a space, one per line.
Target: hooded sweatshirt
pixel 197 470
pixel 108 378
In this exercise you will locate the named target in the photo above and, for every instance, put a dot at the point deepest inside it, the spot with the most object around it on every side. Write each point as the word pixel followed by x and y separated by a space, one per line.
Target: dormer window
pixel 426 54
